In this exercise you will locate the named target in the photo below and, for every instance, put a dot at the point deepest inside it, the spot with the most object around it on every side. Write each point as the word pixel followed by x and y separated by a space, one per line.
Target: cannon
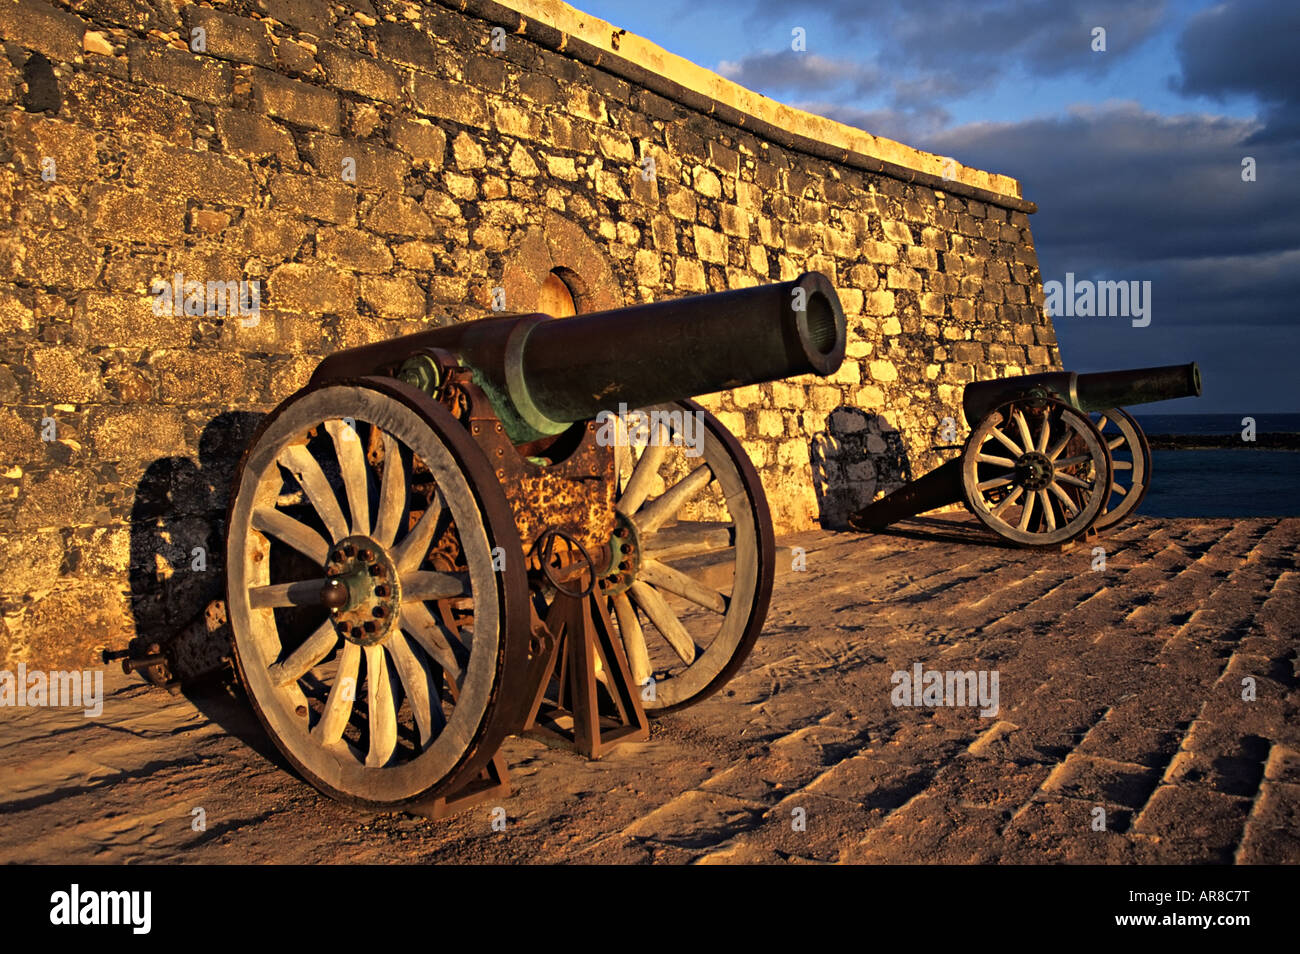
pixel 519 524
pixel 1050 456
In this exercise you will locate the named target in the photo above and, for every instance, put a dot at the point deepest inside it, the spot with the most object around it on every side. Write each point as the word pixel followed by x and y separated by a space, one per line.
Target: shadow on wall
pixel 858 456
pixel 177 550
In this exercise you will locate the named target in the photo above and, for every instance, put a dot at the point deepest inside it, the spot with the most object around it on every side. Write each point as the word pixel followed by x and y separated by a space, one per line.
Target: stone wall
pixel 480 158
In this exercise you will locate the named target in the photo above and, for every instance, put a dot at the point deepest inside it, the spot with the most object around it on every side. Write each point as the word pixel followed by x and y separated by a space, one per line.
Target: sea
pixel 1234 481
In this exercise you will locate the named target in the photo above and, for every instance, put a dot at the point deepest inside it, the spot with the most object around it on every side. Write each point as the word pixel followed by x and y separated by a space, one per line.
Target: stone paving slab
pixel 1120 701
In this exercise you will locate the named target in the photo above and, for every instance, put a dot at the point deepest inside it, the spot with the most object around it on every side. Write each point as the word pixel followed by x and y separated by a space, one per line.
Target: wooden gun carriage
pixel 458 535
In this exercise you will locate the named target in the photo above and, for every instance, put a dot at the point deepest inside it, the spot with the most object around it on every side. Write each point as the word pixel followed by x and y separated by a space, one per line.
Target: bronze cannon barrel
pixel 1096 391
pixel 542 374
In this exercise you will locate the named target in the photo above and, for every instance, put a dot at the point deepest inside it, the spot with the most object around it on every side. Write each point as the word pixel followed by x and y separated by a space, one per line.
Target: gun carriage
pixel 454 536
pixel 1050 456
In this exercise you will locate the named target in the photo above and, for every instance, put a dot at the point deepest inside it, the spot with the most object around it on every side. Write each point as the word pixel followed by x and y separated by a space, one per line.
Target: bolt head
pixel 366 556
pixel 368 626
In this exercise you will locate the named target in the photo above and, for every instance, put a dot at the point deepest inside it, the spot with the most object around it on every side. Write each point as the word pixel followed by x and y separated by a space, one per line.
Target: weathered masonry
pixel 367 169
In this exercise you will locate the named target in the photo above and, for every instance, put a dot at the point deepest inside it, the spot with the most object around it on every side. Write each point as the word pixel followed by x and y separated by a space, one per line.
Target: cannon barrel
pixel 542 374
pixel 1097 391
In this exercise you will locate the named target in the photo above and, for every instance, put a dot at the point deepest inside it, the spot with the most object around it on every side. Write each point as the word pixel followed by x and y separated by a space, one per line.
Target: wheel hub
pixel 1034 471
pixel 624 557
pixel 362 590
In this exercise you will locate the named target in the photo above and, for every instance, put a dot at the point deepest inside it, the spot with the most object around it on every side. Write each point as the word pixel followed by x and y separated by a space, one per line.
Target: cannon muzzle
pixel 542 374
pixel 1098 391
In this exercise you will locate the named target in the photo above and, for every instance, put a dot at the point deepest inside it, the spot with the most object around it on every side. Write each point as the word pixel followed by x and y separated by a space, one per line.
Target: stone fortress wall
pixel 380 167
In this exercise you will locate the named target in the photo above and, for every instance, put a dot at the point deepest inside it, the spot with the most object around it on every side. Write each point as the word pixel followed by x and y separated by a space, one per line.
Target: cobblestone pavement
pixel 1120 689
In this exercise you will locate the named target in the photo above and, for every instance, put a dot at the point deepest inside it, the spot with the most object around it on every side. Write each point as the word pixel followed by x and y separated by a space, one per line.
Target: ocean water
pixel 1228 482
pixel 1223 483
pixel 1216 424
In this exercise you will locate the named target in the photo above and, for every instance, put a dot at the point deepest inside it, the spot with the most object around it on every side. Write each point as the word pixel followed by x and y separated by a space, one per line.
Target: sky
pixel 1134 154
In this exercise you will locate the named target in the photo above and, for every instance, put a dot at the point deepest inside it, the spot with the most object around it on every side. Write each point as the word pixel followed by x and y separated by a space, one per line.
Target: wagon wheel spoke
pixel 654 514
pixel 996 482
pixel 381 710
pixel 436 640
pixel 1022 428
pixel 352 465
pixel 666 578
pixel 665 620
pixel 1118 488
pixel 1046 505
pixel 1026 512
pixel 993 459
pixel 1064 498
pixel 1122 464
pixel 422 585
pixel 307 656
pixel 644 474
pixel 1008 501
pixel 1073 461
pixel 1074 481
pixel 689 538
pixel 300 462
pixel 342 697
pixel 1060 446
pixel 291 532
pixel 1041 447
pixel 417 681
pixel 302 593
pixel 392 492
pixel 414 547
pixel 633 639
pixel 1005 440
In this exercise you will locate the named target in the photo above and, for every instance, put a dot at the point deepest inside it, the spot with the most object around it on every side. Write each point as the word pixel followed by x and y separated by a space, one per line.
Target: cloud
pixel 971 43
pixel 1246 47
pixel 1121 186
pixel 1129 194
pixel 786 70
pixel 904 125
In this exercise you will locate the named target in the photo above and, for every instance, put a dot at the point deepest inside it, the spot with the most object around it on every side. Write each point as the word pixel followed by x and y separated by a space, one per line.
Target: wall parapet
pixel 562 28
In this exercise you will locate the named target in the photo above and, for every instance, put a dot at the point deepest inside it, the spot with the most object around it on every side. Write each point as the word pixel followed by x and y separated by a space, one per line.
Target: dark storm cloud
pixel 1129 193
pixel 963 46
pixel 1126 184
pixel 1124 192
pixel 1246 47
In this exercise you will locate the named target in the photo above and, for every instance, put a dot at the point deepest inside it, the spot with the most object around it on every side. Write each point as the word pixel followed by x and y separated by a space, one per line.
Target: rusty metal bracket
pixel 570 716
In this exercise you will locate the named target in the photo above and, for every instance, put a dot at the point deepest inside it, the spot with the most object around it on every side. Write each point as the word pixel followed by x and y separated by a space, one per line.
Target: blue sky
pixel 1133 154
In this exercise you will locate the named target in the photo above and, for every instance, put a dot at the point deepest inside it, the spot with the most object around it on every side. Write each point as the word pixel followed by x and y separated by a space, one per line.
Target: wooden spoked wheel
pixel 702 556
pixel 1131 459
pixel 375 582
pixel 1036 472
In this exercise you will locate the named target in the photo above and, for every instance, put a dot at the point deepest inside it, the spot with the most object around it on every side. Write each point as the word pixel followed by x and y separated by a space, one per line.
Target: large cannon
pixel 1050 456
pixel 463 534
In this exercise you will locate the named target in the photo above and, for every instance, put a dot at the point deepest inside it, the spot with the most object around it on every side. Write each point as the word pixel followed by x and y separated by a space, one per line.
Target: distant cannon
pixel 454 536
pixel 1050 456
